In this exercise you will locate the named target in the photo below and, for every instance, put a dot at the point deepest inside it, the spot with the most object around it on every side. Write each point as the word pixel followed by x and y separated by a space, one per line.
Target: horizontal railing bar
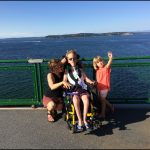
pixel 16 67
pixel 14 61
pixel 131 98
pixel 16 103
pixel 129 102
pixel 83 59
pixel 119 58
pixel 89 65
pixel 125 64
pixel 131 64
pixel 18 99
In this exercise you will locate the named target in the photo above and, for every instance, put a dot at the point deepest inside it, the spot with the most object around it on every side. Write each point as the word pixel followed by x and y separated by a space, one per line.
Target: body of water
pixel 88 47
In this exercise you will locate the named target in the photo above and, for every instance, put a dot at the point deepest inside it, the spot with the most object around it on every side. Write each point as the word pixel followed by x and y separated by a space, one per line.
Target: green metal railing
pixel 23 82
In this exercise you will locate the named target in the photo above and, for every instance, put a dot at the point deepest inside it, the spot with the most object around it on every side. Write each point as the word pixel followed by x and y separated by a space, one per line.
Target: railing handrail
pixel 83 59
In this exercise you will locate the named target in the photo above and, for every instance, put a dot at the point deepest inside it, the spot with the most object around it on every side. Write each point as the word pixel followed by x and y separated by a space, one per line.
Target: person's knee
pixel 76 100
pixel 85 98
pixel 51 105
pixel 102 98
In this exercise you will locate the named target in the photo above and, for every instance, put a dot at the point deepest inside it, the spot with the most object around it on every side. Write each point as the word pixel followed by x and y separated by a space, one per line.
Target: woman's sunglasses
pixel 72 59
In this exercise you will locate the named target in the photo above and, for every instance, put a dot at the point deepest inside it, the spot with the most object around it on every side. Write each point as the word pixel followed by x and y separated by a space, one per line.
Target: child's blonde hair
pixel 96 60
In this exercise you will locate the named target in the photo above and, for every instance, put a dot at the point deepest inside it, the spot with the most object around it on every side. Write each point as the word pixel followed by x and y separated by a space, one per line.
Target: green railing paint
pixel 38 66
pixel 38 73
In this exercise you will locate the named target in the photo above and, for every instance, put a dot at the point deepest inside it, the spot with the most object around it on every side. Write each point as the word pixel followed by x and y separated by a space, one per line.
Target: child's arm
pixel 87 79
pixel 110 56
pixel 66 84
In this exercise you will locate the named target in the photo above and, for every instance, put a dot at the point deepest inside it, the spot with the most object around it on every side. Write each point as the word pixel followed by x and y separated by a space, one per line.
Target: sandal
pixel 50 117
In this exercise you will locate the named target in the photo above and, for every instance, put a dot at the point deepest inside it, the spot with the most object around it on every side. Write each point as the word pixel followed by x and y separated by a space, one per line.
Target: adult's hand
pixel 66 85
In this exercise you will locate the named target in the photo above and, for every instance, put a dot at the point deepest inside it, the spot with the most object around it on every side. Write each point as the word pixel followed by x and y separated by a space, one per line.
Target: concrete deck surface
pixel 128 128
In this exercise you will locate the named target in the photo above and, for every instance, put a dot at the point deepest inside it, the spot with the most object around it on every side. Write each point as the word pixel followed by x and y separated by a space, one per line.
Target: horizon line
pixel 71 33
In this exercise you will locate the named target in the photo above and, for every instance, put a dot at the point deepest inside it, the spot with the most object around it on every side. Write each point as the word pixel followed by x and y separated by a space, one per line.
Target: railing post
pixel 37 63
pixel 93 74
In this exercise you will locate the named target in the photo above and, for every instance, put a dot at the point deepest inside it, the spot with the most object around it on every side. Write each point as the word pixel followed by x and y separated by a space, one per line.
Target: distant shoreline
pixel 89 34
pixel 82 35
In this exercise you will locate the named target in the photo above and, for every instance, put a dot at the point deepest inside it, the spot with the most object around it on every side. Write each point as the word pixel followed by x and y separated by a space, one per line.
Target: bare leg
pixel 50 107
pixel 86 107
pixel 76 102
pixel 103 107
pixel 110 106
pixel 105 103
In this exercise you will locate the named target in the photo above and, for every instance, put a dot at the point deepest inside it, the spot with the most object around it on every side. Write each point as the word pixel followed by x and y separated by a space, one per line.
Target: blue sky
pixel 41 18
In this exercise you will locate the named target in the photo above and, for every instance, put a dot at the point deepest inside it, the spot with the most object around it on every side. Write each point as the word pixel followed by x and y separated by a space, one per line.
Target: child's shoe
pixel 88 127
pixel 79 128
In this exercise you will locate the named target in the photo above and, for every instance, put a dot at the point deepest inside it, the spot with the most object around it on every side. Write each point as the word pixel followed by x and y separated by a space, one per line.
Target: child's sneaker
pixel 79 128
pixel 88 127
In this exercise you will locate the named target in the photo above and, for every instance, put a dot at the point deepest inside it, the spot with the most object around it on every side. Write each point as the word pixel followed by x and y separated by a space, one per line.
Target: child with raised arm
pixel 103 72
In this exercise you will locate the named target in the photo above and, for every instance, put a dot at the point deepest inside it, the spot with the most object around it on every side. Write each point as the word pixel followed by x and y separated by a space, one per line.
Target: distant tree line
pixel 89 34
